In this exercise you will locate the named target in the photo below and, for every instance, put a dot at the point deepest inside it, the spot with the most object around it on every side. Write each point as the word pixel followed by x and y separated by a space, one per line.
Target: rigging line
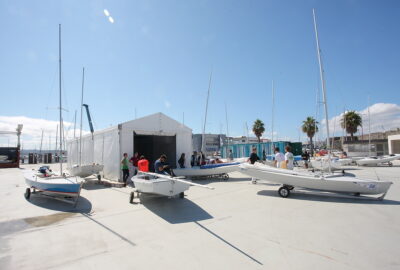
pixel 51 90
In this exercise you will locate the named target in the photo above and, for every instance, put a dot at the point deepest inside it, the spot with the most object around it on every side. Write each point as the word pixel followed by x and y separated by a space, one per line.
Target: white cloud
pixel 111 19
pixel 32 131
pixel 383 116
pixel 167 104
pixel 106 12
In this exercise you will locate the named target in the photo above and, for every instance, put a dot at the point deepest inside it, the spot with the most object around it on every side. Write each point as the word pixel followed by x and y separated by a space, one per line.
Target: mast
pixel 369 128
pixel 59 68
pixel 74 124
pixel 321 73
pixel 272 120
pixel 80 132
pixel 227 129
pixel 41 143
pixel 205 116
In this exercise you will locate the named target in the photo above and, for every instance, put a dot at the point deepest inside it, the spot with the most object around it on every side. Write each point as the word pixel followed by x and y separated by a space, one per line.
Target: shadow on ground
pixel 83 206
pixel 310 196
pixel 174 210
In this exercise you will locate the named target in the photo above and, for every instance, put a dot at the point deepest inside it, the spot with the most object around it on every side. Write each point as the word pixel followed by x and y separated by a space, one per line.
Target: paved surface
pixel 236 226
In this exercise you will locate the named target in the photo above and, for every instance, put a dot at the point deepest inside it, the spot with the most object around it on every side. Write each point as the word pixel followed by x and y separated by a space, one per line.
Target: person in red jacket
pixel 134 160
pixel 143 164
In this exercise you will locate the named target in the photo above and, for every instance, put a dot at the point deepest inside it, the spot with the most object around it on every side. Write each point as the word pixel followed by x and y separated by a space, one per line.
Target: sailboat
pixel 307 180
pixel 47 183
pixel 85 170
pixel 161 184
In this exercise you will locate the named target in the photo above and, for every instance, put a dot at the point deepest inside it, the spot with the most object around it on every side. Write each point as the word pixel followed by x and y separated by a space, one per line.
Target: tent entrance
pixel 153 146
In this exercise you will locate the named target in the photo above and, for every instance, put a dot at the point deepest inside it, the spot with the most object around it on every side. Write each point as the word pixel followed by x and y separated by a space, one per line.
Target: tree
pixel 351 121
pixel 258 129
pixel 310 128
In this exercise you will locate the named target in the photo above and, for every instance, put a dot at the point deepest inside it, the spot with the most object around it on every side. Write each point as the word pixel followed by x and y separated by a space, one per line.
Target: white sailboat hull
pixel 165 186
pixel 377 160
pixel 322 164
pixel 85 170
pixel 198 172
pixel 54 185
pixel 331 183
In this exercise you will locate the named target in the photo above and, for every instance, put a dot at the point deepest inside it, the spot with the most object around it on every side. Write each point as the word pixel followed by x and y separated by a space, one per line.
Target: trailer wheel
pixel 27 193
pixel 131 197
pixel 284 192
pixel 225 176
pixel 181 195
pixel 390 164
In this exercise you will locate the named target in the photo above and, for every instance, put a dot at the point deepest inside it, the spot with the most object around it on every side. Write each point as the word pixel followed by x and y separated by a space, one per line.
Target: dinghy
pixel 86 170
pixel 373 161
pixel 44 181
pixel 322 164
pixel 211 170
pixel 331 183
pixel 60 187
pixel 160 184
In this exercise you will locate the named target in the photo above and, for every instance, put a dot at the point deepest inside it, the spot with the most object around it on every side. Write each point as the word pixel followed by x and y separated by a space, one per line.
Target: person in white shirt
pixel 289 158
pixel 279 157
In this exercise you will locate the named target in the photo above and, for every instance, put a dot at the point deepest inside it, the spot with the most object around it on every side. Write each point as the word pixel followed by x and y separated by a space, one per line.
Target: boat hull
pixel 85 170
pixel 331 183
pixel 198 172
pixel 375 161
pixel 54 185
pixel 158 185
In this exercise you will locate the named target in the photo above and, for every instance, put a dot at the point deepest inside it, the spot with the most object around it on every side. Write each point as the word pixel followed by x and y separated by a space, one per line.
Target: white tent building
pixel 150 136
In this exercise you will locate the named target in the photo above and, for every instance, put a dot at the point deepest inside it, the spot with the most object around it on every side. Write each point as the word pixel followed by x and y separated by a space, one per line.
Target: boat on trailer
pixel 43 181
pixel 374 161
pixel 161 184
pixel 60 187
pixel 209 170
pixel 291 179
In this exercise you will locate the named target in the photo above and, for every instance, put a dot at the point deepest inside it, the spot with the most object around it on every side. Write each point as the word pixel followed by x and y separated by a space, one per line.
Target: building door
pixel 153 146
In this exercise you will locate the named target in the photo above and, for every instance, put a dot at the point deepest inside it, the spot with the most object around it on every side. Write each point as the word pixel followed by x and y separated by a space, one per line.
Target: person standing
pixel 253 156
pixel 230 156
pixel 181 161
pixel 125 168
pixel 193 159
pixel 279 158
pixel 305 157
pixel 289 158
pixel 143 164
pixel 134 160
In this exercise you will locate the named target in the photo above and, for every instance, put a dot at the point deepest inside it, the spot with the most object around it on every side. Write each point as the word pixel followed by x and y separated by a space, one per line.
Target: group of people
pixel 197 159
pixel 284 161
pixel 138 163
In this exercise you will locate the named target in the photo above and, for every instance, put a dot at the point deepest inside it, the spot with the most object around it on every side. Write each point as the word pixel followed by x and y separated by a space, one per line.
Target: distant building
pixel 359 145
pixel 212 143
pixel 394 144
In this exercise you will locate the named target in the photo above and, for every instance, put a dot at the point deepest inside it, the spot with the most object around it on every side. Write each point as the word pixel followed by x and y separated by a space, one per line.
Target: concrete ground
pixel 236 226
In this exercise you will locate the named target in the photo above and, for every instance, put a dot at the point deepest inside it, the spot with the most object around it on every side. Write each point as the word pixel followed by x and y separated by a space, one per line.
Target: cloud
pixel 111 19
pixel 32 131
pixel 167 104
pixel 383 116
pixel 106 12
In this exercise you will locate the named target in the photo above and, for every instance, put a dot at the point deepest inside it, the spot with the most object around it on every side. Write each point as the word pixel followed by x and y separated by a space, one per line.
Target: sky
pixel 147 56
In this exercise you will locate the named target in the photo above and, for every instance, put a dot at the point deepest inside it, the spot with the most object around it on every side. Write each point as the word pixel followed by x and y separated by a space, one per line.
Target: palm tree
pixel 351 121
pixel 258 129
pixel 310 128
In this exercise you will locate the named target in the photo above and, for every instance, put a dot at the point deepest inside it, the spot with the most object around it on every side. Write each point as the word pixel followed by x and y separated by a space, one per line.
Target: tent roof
pixel 153 122
pixel 157 121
